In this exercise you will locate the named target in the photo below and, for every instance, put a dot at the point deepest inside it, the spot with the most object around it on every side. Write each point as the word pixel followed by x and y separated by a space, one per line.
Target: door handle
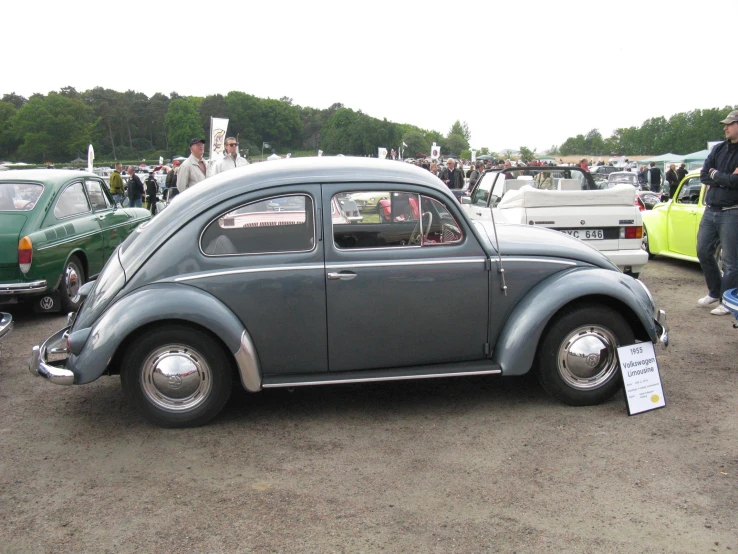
pixel 479 213
pixel 342 275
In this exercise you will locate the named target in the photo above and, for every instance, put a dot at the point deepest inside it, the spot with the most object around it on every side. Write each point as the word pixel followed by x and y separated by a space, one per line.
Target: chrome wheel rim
pixel 176 378
pixel 587 357
pixel 72 283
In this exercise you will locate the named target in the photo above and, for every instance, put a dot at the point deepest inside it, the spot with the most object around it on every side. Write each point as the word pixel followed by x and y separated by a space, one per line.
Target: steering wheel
pixel 28 205
pixel 416 234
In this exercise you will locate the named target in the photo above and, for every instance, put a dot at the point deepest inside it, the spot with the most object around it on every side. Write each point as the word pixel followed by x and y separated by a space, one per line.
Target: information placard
pixel 641 378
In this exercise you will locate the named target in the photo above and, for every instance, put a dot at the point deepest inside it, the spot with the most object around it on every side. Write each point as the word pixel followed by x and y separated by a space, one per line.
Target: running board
pixel 463 369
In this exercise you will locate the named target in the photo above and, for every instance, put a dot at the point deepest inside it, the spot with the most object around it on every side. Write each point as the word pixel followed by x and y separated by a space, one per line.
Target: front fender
pixel 518 342
pixel 161 302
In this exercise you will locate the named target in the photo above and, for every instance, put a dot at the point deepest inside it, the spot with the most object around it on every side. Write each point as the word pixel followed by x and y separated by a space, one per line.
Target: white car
pixel 565 199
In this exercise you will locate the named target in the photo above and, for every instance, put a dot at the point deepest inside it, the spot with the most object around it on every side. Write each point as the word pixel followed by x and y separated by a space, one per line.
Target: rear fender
pixel 165 302
pixel 518 342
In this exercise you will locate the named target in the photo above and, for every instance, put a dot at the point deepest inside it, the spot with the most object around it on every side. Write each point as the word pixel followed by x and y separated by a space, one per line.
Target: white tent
pixel 274 157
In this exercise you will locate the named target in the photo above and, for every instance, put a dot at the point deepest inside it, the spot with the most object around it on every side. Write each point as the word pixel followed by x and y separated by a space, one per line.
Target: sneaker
pixel 720 310
pixel 707 301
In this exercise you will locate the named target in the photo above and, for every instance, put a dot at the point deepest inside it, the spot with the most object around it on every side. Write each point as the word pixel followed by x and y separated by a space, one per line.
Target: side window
pixel 397 219
pixel 97 195
pixel 272 225
pixel 71 202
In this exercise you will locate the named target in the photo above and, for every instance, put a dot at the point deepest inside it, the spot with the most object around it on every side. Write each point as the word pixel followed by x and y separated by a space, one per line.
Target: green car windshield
pixel 19 197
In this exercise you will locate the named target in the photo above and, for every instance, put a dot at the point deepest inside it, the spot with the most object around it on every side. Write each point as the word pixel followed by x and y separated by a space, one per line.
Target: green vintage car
pixel 670 229
pixel 57 230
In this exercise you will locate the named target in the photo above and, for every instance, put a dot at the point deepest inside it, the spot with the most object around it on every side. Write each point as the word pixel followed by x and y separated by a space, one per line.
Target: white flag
pixel 320 153
pixel 435 151
pixel 474 156
pixel 381 153
pixel 405 145
pixel 161 160
pixel 90 158
pixel 218 129
pixel 265 145
pixel 288 154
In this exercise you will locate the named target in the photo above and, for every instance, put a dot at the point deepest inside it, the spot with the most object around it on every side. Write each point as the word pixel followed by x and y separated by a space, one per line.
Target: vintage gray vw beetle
pixel 257 275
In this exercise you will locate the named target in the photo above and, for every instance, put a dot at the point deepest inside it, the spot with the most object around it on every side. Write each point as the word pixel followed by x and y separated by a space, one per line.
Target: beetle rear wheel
pixel 577 358
pixel 177 376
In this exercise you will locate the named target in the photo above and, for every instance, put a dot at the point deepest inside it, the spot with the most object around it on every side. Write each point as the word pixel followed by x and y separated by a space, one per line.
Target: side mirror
pixel 466 200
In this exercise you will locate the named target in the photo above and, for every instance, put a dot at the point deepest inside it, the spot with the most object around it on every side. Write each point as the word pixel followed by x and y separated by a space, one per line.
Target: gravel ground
pixel 457 465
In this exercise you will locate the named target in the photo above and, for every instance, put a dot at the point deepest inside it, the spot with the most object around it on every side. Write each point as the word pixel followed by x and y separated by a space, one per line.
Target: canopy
pixel 663 158
pixel 486 157
pixel 274 157
pixel 699 156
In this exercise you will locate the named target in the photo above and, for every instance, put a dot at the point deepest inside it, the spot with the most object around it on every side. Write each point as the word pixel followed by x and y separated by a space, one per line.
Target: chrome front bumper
pixel 33 287
pixel 662 328
pixel 6 324
pixel 51 371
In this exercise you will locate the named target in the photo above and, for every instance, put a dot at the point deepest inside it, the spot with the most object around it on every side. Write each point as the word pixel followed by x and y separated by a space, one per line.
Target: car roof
pixel 48 176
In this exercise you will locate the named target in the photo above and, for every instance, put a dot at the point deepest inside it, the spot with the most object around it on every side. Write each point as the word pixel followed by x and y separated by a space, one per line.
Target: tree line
pixel 58 126
pixel 682 133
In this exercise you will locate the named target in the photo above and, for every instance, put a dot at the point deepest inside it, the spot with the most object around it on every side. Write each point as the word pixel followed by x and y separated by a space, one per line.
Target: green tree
pixel 8 140
pixel 53 128
pixel 455 144
pixel 15 99
pixel 417 143
pixel 526 154
pixel 461 129
pixel 183 123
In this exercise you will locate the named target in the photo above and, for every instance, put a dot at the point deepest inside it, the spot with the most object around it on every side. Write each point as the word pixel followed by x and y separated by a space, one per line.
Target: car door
pixel 265 251
pixel 71 226
pixel 683 218
pixel 405 287
pixel 113 222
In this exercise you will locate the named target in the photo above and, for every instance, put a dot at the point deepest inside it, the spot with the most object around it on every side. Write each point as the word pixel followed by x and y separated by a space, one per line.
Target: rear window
pixel 19 197
pixel 273 225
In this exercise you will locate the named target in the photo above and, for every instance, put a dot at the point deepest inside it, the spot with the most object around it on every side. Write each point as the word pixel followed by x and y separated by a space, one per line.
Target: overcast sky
pixel 529 73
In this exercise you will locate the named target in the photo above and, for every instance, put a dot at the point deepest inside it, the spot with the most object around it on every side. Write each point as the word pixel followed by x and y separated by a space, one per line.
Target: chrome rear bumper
pixel 662 328
pixel 51 371
pixel 32 287
pixel 6 324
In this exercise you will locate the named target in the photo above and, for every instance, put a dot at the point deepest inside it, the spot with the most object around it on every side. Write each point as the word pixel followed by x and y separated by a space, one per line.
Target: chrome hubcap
pixel 587 357
pixel 176 378
pixel 73 283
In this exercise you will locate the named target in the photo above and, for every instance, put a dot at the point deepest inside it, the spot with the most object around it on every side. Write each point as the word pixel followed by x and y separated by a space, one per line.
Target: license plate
pixel 585 234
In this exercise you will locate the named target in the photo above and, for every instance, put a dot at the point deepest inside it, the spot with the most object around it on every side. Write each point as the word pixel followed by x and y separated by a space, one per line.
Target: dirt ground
pixel 457 465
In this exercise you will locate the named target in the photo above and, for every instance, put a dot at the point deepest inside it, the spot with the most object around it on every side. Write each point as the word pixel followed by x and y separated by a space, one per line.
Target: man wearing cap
pixel 719 225
pixel 232 159
pixel 194 169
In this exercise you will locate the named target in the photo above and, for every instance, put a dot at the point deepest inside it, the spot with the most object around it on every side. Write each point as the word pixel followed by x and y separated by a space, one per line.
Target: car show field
pixel 474 464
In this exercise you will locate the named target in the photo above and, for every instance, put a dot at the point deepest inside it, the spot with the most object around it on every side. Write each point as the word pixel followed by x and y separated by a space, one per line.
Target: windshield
pixel 620 178
pixel 19 197
pixel 493 185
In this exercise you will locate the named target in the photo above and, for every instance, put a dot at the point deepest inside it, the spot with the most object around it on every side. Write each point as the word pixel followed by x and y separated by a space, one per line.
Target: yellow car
pixel 670 229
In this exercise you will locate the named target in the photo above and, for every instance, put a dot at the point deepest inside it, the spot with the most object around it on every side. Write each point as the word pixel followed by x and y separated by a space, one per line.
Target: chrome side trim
pixel 83 235
pixel 374 379
pixel 539 260
pixel 39 367
pixel 23 288
pixel 248 364
pixel 440 261
pixel 254 270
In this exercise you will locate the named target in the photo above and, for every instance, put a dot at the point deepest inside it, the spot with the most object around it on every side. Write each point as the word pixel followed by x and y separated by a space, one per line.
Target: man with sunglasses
pixel 719 223
pixel 232 158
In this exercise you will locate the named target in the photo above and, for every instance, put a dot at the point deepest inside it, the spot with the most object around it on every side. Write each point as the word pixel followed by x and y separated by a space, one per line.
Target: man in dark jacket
pixel 135 189
pixel 681 172
pixel 452 176
pixel 151 189
pixel 719 225
pixel 672 179
pixel 654 177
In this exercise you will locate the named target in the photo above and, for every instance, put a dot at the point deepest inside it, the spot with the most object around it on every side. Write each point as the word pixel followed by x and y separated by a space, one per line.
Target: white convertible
pixel 567 201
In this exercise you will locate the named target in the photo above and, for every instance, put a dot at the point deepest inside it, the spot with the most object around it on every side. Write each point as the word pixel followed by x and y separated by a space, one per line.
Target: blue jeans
pixel 719 227
pixel 135 203
pixel 118 199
